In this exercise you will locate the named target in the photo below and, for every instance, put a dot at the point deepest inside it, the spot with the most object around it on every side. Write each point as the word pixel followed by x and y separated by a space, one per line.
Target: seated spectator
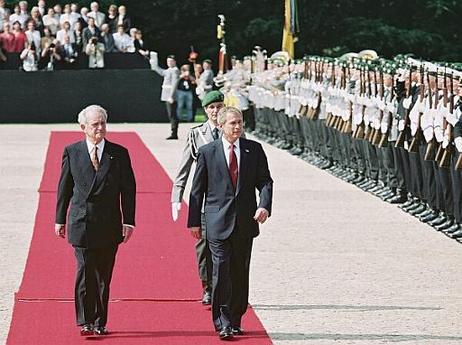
pixel 46 39
pixel 23 12
pixel 66 30
pixel 33 35
pixel 42 7
pixel 37 18
pixel 111 19
pixel 3 57
pixel 124 19
pixel 58 11
pixel 50 21
pixel 131 48
pixel 100 17
pixel 4 13
pixel 20 37
pixel 50 56
pixel 78 34
pixel 67 17
pixel 16 17
pixel 29 58
pixel 69 53
pixel 95 52
pixel 107 39
pixel 8 39
pixel 139 44
pixel 122 41
pixel 90 31
pixel 83 17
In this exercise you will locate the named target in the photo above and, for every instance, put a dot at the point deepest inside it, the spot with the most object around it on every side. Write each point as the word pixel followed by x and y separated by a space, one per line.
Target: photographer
pixel 49 56
pixel 95 52
pixel 29 58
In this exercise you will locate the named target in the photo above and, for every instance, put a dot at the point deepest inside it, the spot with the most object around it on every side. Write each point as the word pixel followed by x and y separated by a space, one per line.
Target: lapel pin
pixel 247 150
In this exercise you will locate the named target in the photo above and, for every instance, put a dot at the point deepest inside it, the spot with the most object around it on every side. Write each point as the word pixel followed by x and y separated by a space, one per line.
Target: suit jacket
pixel 99 202
pixel 109 43
pixel 227 210
pixel 169 84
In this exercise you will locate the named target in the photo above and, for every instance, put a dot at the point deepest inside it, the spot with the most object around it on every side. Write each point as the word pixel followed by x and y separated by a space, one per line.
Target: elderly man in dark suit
pixel 228 172
pixel 97 181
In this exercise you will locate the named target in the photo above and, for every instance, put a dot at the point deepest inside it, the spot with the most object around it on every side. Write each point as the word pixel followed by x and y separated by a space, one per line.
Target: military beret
pixel 212 97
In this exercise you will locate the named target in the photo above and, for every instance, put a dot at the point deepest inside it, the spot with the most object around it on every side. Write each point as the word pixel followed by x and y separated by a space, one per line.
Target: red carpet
pixel 155 285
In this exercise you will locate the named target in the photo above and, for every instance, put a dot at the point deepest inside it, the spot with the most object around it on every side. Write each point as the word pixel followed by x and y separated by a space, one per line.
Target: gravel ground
pixel 333 265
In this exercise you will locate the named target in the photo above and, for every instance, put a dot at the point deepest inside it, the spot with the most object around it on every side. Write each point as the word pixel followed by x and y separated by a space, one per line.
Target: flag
pixel 291 28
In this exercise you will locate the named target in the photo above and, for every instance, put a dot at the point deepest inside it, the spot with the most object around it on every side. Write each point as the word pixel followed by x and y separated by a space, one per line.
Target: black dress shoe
pixel 207 298
pixel 456 234
pixel 172 137
pixel 100 330
pixel 446 225
pixel 425 218
pixel 226 333
pixel 452 229
pixel 438 221
pixel 86 330
pixel 419 210
pixel 237 330
pixel 397 199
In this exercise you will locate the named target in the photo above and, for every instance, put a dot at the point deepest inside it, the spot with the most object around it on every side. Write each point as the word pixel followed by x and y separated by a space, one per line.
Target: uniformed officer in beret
pixel 197 137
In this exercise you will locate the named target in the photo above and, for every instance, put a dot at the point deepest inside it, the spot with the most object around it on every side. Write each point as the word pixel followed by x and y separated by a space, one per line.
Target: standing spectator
pixel 100 17
pixel 122 40
pixel 8 39
pixel 50 21
pixel 75 15
pixel 46 39
pixel 29 58
pixel 90 31
pixel 78 34
pixel 112 18
pixel 58 11
pixel 184 94
pixel 33 36
pixel 196 101
pixel 42 8
pixel 168 95
pixel 124 19
pixel 16 17
pixel 69 53
pixel 23 12
pixel 37 18
pixel 95 52
pixel 107 39
pixel 4 13
pixel 20 37
pixel 139 44
pixel 66 30
pixel 67 17
pixel 205 83
pixel 50 55
pixel 84 17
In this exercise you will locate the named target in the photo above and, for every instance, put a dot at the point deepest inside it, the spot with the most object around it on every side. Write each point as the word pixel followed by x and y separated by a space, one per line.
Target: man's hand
pixel 196 232
pixel 261 215
pixel 60 230
pixel 171 100
pixel 127 232
pixel 176 206
pixel 458 144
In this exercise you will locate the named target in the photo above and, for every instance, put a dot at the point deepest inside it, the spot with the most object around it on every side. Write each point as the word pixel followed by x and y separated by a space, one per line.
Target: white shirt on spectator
pixel 122 42
pixel 18 18
pixel 52 23
pixel 67 18
pixel 29 63
pixel 60 35
pixel 99 18
pixel 34 37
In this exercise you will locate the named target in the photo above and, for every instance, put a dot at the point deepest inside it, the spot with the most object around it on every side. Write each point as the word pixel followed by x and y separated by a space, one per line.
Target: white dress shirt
pixel 237 151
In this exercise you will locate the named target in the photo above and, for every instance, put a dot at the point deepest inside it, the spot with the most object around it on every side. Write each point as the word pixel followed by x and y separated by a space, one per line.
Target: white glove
pixel 445 142
pixel 176 206
pixel 458 143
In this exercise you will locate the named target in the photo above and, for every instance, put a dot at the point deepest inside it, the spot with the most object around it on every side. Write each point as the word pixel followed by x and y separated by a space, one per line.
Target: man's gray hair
pixel 94 108
pixel 221 117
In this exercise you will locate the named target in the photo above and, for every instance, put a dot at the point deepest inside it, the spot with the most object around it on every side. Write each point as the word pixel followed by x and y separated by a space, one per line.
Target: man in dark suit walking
pixel 97 181
pixel 227 174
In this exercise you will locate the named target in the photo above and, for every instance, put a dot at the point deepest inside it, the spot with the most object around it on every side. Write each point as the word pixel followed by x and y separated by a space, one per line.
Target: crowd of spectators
pixel 65 36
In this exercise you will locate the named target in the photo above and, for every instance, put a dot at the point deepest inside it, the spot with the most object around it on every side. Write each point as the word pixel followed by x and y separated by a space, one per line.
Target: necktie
pixel 215 133
pixel 94 158
pixel 233 165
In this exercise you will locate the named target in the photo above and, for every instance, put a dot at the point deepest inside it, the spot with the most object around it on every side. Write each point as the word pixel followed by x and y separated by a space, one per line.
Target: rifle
pixel 439 153
pixel 360 129
pixel 414 146
pixel 369 129
pixel 377 138
pixel 348 124
pixel 446 159
pixel 384 140
pixel 402 135
pixel 430 153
